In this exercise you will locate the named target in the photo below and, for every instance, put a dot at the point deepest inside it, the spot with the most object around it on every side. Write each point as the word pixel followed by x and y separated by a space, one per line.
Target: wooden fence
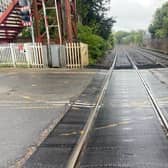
pixel 76 55
pixel 29 55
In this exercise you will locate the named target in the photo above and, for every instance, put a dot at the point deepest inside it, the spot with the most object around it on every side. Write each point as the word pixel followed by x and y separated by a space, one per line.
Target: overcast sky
pixel 134 14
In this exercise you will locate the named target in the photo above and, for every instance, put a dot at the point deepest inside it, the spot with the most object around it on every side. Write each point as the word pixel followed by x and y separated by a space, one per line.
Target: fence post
pixel 27 56
pixel 78 55
pixel 42 56
pixel 84 54
pixel 81 55
pixel 13 56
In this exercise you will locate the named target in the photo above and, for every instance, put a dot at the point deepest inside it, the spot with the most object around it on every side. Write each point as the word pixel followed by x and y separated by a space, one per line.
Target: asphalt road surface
pixel 31 104
pixel 127 132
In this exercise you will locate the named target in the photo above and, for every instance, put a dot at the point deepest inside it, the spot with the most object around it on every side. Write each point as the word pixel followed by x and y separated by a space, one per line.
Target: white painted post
pixel 58 22
pixel 27 56
pixel 12 54
pixel 81 53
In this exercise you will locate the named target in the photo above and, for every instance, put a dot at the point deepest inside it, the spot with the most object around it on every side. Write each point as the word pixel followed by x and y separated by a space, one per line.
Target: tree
pixel 159 27
pixel 119 36
pixel 93 14
pixel 133 37
pixel 97 45
pixel 95 28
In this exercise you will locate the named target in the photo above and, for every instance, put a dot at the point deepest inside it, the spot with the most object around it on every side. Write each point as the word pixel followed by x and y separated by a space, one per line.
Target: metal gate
pixel 76 55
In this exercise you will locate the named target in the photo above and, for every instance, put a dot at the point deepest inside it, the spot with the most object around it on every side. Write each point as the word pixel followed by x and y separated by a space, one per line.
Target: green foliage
pixel 95 28
pixel 92 14
pixel 110 41
pixel 119 36
pixel 104 27
pixel 97 45
pixel 26 33
pixel 133 37
pixel 159 27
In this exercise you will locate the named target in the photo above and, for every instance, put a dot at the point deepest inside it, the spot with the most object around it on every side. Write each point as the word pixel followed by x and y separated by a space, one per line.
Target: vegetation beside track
pixel 94 27
pixel 132 37
pixel 159 26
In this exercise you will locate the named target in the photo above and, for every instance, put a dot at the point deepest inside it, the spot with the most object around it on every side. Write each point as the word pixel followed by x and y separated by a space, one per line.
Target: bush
pixel 97 45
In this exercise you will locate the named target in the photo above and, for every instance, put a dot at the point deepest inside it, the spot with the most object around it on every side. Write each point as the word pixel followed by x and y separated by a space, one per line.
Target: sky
pixel 134 14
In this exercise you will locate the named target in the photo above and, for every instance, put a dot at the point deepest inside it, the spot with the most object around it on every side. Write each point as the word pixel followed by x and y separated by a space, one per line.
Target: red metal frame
pixel 67 16
pixel 8 11
pixel 36 14
pixel 68 20
pixel 74 18
pixel 10 29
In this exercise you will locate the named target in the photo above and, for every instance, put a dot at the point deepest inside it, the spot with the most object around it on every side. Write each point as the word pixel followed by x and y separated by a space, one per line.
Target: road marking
pixel 31 108
pixel 27 97
pixel 113 125
pixel 98 128
pixel 84 105
pixel 147 118
pixel 127 128
pixel 128 140
pixel 126 119
pixel 69 134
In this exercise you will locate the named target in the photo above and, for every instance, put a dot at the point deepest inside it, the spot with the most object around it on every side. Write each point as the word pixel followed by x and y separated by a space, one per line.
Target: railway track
pixel 163 56
pixel 73 160
pixel 157 109
pixel 144 61
pixel 160 58
pixel 92 147
pixel 122 62
pixel 82 143
pixel 152 99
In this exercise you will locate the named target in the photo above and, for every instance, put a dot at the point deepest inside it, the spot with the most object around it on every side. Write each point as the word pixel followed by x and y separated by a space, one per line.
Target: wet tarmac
pixel 31 104
pixel 58 146
pixel 127 132
pixel 158 81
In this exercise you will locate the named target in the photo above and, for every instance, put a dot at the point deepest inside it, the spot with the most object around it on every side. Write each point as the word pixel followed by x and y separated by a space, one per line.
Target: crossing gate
pixel 76 55
pixel 26 55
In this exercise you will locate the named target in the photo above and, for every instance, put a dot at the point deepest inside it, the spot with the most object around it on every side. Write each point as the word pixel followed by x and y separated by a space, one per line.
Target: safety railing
pixel 27 55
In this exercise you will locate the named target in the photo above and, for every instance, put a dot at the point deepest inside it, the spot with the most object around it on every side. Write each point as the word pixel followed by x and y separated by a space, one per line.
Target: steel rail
pixel 73 159
pixel 155 105
pixel 154 53
pixel 142 53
